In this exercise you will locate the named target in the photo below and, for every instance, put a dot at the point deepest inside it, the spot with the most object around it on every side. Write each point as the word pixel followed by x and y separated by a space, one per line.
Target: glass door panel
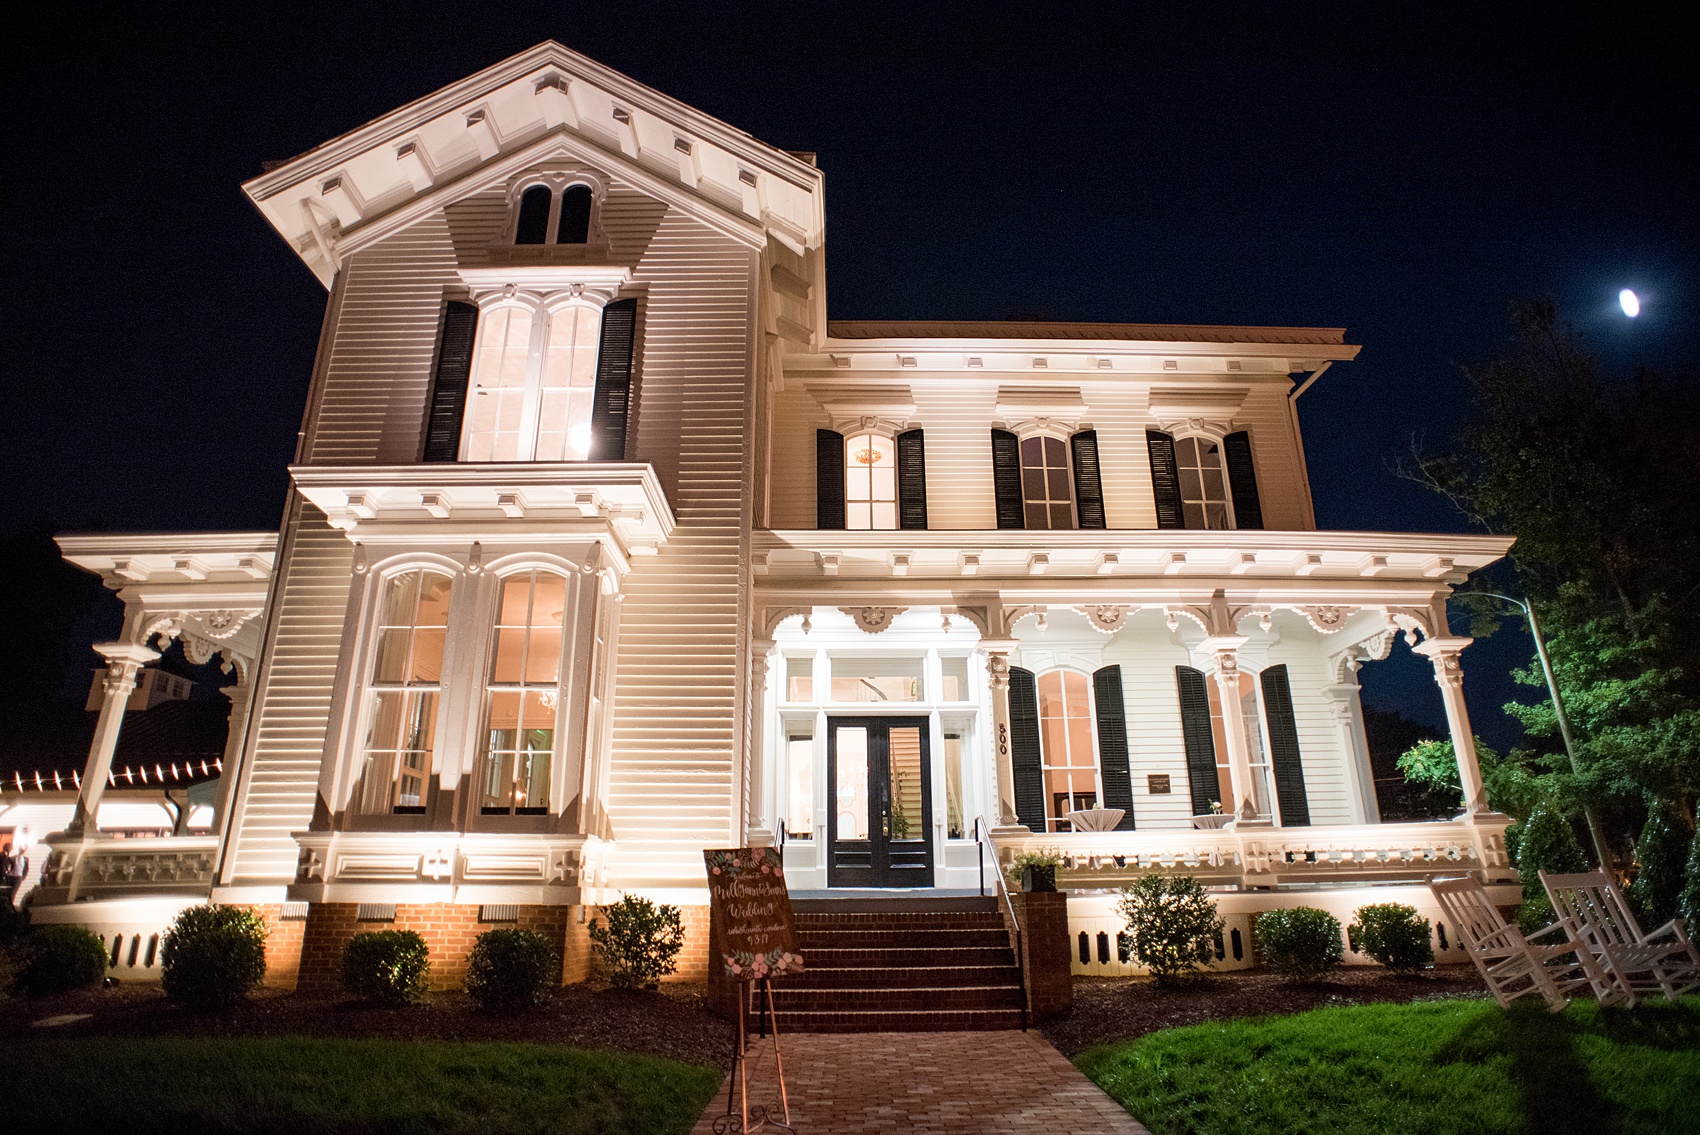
pixel 881 819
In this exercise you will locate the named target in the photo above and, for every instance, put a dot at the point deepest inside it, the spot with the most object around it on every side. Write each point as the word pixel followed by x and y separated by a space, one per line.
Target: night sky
pixel 1401 171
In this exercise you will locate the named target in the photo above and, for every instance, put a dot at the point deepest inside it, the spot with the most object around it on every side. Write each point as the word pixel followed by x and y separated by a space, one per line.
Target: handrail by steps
pixel 1008 905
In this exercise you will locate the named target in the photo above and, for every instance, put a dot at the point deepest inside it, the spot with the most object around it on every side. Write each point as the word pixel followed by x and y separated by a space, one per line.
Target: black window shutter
pixel 448 387
pixel 911 480
pixel 610 407
pixel 1006 479
pixel 1024 749
pixel 1088 485
pixel 1284 759
pixel 1242 480
pixel 829 479
pixel 1112 743
pixel 1200 742
pixel 1165 479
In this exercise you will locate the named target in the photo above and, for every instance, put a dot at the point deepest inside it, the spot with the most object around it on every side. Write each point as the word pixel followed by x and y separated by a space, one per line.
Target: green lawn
pixel 1462 1067
pixel 305 1086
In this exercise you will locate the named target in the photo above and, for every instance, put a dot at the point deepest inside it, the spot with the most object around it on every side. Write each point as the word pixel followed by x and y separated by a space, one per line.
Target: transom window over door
pixel 522 695
pixel 401 713
pixel 533 384
pixel 1070 762
pixel 1045 497
pixel 870 482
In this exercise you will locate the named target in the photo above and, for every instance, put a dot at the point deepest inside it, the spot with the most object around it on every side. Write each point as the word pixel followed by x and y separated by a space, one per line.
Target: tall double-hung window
pixel 521 697
pixel 1069 746
pixel 402 695
pixel 869 480
pixel 533 384
pixel 1042 481
pixel 1200 482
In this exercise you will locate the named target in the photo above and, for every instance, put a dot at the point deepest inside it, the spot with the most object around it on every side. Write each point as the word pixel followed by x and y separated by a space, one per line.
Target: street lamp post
pixel 1595 830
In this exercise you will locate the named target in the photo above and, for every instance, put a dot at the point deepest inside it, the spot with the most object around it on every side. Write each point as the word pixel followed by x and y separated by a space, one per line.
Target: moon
pixel 1630 302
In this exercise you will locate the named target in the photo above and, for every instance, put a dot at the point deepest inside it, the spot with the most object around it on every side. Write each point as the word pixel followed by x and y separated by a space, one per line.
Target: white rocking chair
pixel 1512 965
pixel 1625 963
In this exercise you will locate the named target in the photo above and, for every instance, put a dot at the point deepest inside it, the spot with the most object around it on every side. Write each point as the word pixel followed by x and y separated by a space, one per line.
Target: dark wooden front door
pixel 879 825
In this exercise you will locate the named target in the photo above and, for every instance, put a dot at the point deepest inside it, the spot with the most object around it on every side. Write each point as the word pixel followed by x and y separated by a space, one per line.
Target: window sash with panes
pixel 402 696
pixel 870 482
pixel 533 384
pixel 1068 756
pixel 1046 497
pixel 522 694
pixel 1205 502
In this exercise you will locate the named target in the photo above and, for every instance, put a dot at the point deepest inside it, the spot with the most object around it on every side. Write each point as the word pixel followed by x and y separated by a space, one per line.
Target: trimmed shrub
pixel 1548 844
pixel 1661 852
pixel 1172 925
pixel 1394 935
pixel 512 969
pixel 640 943
pixel 59 958
pixel 213 956
pixel 387 967
pixel 1300 943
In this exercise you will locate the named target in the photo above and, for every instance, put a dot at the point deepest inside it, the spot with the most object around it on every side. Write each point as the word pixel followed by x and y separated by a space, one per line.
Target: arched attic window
pixel 533 224
pixel 574 226
pixel 547 217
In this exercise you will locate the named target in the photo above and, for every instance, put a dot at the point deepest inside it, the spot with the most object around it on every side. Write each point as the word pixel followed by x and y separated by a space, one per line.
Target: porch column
pixel 1354 743
pixel 997 677
pixel 124 661
pixel 1449 676
pixel 241 696
pixel 1224 652
pixel 757 832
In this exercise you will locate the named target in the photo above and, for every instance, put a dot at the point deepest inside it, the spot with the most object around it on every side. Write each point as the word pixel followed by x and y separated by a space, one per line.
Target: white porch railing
pixel 79 870
pixel 1268 857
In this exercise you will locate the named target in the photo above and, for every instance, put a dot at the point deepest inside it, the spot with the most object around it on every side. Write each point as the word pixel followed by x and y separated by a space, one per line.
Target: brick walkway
pixel 961 1083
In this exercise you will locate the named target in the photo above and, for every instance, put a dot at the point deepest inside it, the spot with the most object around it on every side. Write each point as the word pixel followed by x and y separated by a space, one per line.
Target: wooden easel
pixel 739 1122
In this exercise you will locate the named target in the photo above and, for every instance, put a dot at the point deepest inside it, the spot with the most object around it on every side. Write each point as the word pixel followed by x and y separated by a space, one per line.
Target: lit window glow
pixel 533 384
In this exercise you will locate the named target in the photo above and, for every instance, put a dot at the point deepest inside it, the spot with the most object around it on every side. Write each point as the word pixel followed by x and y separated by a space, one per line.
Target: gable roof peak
pixel 321 201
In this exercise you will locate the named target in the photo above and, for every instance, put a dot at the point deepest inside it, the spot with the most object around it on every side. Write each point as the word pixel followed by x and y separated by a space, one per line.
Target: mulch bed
pixel 1108 1009
pixel 673 1022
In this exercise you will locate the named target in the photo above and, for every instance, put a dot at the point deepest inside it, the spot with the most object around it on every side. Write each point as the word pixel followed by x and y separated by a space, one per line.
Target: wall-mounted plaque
pixel 747 895
pixel 1157 784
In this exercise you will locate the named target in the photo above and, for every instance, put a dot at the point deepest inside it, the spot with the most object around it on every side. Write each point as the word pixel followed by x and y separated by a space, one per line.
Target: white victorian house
pixel 606 546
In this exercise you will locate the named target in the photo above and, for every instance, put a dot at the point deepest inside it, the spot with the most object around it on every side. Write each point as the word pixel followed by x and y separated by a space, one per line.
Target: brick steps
pixel 903 965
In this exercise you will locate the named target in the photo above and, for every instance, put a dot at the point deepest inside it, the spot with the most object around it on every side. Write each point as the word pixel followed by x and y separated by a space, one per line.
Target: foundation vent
pixel 376 912
pixel 499 912
pixel 294 912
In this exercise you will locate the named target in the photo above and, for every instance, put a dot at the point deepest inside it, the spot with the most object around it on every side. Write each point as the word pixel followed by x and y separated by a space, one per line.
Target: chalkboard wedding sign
pixel 746 888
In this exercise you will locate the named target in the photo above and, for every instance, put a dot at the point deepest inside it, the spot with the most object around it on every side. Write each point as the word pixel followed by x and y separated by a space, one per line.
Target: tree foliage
pixel 1593 475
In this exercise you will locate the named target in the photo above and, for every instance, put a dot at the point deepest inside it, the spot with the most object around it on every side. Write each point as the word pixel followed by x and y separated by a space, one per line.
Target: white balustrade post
pixel 124 662
pixel 997 677
pixel 1449 676
pixel 1224 652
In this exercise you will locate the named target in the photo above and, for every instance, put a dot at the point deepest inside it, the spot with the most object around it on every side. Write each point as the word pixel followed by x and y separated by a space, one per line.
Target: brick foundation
pixel 283 945
pixel 313 949
pixel 449 930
